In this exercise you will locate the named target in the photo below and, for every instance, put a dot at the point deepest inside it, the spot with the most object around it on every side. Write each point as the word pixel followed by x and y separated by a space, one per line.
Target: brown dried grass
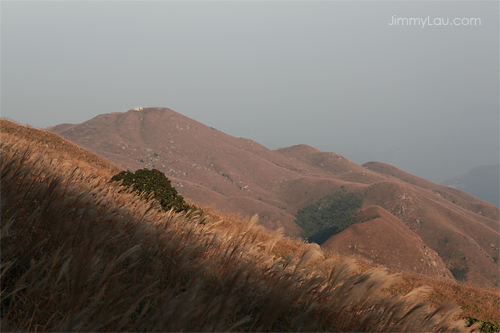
pixel 79 254
pixel 475 301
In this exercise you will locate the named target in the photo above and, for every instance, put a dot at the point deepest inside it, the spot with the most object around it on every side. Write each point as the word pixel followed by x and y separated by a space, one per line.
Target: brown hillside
pixel 242 177
pixel 234 174
pixel 62 156
pixel 462 238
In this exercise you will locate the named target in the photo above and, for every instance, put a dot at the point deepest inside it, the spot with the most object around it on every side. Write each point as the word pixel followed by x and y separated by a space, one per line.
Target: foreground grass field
pixel 78 254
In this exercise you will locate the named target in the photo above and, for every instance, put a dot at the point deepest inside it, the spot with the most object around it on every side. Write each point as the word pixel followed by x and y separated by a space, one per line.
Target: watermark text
pixel 436 21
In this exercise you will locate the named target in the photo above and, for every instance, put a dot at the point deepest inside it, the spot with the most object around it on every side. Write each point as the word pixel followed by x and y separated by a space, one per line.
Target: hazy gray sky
pixel 334 75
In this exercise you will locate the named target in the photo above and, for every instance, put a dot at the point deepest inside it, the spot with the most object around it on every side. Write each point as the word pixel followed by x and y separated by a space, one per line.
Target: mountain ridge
pixel 240 176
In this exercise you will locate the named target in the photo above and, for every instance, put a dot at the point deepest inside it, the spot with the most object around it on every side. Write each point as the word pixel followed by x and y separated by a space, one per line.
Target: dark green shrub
pixel 154 181
pixel 486 327
pixel 460 274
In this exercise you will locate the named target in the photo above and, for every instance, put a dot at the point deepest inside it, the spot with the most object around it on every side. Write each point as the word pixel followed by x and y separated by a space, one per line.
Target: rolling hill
pixel 240 176
pixel 73 183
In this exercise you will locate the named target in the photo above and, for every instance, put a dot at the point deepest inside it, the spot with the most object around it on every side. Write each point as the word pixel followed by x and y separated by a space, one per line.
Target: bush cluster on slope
pixel 155 182
pixel 460 273
pixel 329 216
pixel 484 326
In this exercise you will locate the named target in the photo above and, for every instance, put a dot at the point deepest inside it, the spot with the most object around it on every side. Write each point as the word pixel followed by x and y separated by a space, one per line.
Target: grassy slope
pixel 41 140
pixel 106 252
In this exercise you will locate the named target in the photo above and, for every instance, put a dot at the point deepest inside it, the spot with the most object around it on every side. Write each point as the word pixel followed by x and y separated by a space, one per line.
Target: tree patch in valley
pixel 329 216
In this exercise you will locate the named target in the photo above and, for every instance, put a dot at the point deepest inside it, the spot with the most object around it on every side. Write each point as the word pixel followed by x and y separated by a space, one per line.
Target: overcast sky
pixel 334 75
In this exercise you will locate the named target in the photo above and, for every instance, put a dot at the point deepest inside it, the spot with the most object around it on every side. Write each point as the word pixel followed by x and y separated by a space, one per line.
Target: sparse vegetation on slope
pixel 81 254
pixel 485 326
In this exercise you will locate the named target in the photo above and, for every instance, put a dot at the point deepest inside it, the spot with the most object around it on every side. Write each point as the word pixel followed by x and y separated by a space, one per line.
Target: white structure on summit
pixel 139 108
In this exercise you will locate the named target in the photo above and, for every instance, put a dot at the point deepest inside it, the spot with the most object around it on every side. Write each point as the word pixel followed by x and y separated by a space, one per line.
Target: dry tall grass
pixel 474 301
pixel 78 254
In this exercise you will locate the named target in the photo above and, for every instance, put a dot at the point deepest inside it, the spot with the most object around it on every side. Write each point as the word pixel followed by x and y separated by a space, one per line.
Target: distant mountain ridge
pixel 446 230
pixel 482 182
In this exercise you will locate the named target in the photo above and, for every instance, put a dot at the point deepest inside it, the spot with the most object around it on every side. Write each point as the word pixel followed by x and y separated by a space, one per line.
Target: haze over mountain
pixel 335 75
pixel 423 226
pixel 482 182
